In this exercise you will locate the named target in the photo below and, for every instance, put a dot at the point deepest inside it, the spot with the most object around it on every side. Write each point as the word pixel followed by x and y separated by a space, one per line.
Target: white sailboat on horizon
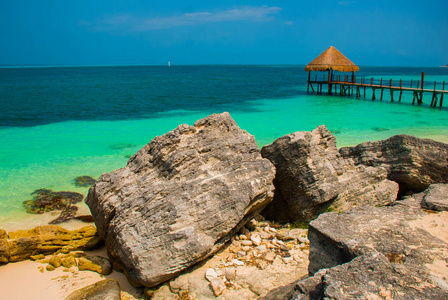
pixel 169 64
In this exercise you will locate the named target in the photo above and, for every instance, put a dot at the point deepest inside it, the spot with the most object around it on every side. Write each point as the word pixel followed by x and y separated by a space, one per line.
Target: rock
pixel 237 262
pixel 218 286
pixel 84 181
pixel 67 214
pixel 412 242
pixel 412 162
pixel 180 198
pixel 210 274
pixel 256 240
pixel 370 276
pixel 68 261
pixel 50 268
pixel 4 252
pixel 85 218
pixel 106 289
pixel 45 200
pixel 436 197
pixel 55 261
pixel 312 176
pixel 3 234
pixel 246 243
pixel 98 264
pixel 47 240
pixel 37 257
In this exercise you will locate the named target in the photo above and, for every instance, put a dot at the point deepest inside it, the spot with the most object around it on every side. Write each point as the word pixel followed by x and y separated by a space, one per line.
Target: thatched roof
pixel 332 59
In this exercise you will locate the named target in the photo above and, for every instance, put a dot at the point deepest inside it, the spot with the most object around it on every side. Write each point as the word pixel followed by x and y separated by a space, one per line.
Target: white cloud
pixel 139 24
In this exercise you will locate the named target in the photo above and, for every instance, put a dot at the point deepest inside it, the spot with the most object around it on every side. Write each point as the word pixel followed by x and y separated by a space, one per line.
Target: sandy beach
pixel 25 280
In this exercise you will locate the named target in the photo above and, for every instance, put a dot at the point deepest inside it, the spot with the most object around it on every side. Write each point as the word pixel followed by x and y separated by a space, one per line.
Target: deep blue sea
pixel 57 123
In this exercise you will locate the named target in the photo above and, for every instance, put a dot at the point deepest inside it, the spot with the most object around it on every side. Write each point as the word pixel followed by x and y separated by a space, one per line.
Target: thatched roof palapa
pixel 332 59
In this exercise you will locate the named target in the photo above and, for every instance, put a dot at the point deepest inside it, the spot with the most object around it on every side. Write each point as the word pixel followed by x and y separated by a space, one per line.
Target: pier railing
pixel 381 82
pixel 347 83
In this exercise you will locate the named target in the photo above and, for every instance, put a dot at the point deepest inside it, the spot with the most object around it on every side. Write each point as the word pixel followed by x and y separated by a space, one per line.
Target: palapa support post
pixel 441 96
pixel 382 90
pixel 423 79
pixel 308 86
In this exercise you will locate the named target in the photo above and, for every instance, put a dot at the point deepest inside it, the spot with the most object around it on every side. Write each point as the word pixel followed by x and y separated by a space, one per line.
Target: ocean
pixel 58 123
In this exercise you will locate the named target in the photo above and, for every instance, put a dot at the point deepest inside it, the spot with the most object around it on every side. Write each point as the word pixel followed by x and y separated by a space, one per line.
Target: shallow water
pixel 60 123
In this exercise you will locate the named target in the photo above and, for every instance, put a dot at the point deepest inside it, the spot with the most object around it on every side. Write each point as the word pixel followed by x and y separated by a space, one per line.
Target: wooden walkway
pixel 349 85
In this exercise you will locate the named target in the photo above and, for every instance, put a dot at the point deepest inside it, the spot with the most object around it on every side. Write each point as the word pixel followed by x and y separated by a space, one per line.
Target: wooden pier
pixel 350 84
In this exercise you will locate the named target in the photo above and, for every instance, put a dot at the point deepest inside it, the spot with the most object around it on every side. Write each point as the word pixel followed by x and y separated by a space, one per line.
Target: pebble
pixel 303 240
pixel 262 248
pixel 241 254
pixel 210 274
pixel 243 237
pixel 270 256
pixel 246 243
pixel 218 286
pixel 256 240
pixel 237 262
pixel 246 248
pixel 287 259
pixel 245 231
pixel 230 274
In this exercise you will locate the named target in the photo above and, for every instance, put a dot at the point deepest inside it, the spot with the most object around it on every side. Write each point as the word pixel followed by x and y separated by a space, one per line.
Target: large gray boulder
pixel 370 276
pixel 412 162
pixel 414 240
pixel 180 198
pixel 312 176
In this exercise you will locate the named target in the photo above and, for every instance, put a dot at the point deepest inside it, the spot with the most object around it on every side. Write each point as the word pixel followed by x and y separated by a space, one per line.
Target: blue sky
pixel 104 32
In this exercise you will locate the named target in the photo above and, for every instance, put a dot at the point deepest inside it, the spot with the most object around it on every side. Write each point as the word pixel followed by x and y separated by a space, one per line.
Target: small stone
pixel 98 264
pixel 246 248
pixel 50 268
pixel 180 283
pixel 230 274
pixel 302 246
pixel 37 257
pixel 245 231
pixel 273 230
pixel 55 261
pixel 246 243
pixel 270 256
pixel 256 240
pixel 241 254
pixel 237 262
pixel 243 237
pixel 210 274
pixel 218 286
pixel 262 248
pixel 41 269
pixel 68 261
pixel 304 240
pixel 287 259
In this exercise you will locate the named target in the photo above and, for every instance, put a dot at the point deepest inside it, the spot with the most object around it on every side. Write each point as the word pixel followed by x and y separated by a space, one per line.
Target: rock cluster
pixel 412 162
pixel 404 245
pixel 180 198
pixel 22 244
pixel 254 263
pixel 312 177
pixel 84 181
pixel 45 200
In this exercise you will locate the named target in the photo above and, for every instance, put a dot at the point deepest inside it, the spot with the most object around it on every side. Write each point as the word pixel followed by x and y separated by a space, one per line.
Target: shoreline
pixel 52 285
pixel 20 220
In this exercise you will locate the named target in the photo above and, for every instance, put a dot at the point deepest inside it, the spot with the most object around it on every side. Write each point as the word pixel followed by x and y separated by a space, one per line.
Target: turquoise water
pixel 88 121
